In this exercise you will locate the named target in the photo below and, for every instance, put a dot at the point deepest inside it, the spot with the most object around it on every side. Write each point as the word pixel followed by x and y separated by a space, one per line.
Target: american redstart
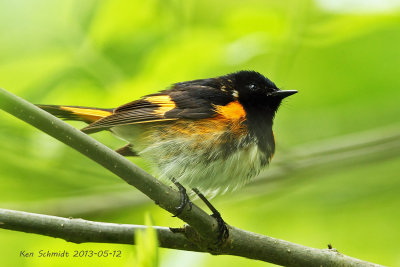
pixel 210 134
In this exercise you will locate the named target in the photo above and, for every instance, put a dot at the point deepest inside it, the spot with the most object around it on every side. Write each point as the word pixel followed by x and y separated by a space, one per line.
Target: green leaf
pixel 146 248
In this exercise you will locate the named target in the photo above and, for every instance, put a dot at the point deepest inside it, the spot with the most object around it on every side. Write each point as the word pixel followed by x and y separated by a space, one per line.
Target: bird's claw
pixel 184 199
pixel 222 228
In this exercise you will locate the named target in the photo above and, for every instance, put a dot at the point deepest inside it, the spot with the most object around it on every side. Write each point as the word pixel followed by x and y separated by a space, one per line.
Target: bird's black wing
pixel 184 100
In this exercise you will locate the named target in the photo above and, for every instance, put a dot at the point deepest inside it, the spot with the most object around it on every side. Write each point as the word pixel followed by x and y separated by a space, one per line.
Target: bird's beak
pixel 283 93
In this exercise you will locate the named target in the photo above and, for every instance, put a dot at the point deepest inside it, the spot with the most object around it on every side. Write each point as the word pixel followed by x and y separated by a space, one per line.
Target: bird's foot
pixel 223 231
pixel 222 228
pixel 184 199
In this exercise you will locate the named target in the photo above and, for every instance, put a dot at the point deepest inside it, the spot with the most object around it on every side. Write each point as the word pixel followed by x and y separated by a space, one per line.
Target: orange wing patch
pixel 164 101
pixel 88 114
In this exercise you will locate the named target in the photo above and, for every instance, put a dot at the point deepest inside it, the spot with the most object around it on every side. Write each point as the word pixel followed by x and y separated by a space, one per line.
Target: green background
pixel 343 57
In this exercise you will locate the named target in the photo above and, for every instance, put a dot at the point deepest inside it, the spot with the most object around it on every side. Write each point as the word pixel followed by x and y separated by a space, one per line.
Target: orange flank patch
pixel 87 113
pixel 201 127
pixel 233 111
pixel 230 119
pixel 164 101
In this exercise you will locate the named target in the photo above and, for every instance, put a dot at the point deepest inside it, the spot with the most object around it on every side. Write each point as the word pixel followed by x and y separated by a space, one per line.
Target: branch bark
pixel 200 235
pixel 83 231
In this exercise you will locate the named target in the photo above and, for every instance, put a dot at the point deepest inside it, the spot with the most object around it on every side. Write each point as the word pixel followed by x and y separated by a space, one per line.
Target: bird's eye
pixel 252 86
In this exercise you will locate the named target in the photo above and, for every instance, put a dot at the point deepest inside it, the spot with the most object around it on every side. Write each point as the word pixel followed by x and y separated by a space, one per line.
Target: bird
pixel 212 135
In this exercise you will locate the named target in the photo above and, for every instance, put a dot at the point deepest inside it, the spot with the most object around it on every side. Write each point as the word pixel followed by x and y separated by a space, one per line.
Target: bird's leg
pixel 184 198
pixel 222 228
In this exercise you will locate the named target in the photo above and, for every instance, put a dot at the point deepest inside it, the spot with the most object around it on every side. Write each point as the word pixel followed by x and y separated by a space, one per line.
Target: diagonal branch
pixel 202 229
pixel 161 194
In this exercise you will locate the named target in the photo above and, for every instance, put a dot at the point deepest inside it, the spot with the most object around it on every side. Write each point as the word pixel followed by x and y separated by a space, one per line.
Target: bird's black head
pixel 254 91
pixel 261 99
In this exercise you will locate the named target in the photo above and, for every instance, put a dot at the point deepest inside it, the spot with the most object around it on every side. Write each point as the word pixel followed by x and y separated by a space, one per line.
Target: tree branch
pixel 243 243
pixel 83 231
pixel 199 236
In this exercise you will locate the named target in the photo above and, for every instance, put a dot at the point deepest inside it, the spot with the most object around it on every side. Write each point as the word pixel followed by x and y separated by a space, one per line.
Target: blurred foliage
pixel 146 246
pixel 345 63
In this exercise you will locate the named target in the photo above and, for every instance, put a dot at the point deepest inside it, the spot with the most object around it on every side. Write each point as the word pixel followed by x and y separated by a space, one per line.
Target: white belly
pixel 204 166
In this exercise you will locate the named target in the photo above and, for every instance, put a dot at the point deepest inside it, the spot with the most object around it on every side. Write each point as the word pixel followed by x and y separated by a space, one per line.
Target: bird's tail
pixel 75 113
